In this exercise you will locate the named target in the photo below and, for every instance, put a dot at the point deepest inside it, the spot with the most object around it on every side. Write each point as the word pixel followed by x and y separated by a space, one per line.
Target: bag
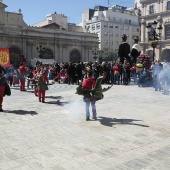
pixel 7 90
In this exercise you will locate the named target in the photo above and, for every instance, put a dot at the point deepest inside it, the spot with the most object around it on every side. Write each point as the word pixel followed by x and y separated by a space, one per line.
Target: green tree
pixel 107 55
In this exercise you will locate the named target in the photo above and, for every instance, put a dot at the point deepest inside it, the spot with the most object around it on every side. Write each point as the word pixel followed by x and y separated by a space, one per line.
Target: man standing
pixel 88 84
pixel 124 49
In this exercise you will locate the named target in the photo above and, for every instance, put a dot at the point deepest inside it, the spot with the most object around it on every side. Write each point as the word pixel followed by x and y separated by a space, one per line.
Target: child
pixel 42 85
pixel 88 84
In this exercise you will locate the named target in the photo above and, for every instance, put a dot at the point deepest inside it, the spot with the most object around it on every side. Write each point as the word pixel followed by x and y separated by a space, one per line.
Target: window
pixel 168 5
pixel 105 26
pixel 116 35
pixel 105 33
pixel 151 9
pixel 117 26
pixel 111 26
pixel 127 28
pixel 129 22
pixel 97 26
pixel 93 27
pixel 122 27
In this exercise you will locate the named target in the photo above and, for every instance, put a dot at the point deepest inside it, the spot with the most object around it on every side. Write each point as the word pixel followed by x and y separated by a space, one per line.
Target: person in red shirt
pixel 88 84
pixel 116 72
pixel 22 70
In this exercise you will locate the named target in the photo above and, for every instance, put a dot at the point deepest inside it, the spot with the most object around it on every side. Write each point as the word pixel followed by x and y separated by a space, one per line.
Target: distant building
pixel 59 19
pixel 49 39
pixel 110 23
pixel 159 11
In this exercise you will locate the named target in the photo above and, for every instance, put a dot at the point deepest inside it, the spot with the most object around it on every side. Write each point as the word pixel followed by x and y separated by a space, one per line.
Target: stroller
pixel 145 80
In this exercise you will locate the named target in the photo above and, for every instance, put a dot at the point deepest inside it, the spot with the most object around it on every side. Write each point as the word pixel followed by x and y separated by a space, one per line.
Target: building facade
pixel 47 42
pixel 110 23
pixel 158 11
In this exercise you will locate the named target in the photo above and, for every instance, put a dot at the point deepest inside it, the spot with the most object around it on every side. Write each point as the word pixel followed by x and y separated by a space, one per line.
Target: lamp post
pixel 153 36
pixel 40 50
pixel 95 52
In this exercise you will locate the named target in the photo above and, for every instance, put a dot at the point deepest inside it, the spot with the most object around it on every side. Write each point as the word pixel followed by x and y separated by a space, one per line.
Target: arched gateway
pixel 15 55
pixel 75 55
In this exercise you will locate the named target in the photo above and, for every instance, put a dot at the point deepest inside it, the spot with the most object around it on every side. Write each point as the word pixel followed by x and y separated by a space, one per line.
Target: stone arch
pixel 47 54
pixel 15 55
pixel 165 55
pixel 75 55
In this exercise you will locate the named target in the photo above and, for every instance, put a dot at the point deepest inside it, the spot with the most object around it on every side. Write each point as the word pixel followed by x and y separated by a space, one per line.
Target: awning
pixel 44 61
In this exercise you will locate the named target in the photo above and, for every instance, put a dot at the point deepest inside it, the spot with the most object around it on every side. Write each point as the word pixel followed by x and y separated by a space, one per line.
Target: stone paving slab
pixel 132 131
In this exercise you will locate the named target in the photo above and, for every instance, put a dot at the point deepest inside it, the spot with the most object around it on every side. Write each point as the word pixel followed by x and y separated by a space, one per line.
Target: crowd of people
pixel 131 66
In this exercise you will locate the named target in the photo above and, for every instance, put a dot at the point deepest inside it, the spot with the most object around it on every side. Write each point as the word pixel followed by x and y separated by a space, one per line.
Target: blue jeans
pixel 93 108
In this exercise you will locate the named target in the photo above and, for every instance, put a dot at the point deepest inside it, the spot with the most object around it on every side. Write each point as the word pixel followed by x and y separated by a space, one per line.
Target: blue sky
pixel 36 10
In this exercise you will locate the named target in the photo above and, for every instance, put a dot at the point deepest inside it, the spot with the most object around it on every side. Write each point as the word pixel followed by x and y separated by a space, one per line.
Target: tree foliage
pixel 107 55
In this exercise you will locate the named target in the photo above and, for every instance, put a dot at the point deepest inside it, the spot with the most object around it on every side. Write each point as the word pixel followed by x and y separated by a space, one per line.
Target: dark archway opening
pixel 75 56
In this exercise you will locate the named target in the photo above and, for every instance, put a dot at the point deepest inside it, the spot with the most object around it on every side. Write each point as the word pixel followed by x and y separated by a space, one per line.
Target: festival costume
pixel 42 85
pixel 88 84
pixel 23 71
pixel 135 52
pixel 36 74
pixel 92 92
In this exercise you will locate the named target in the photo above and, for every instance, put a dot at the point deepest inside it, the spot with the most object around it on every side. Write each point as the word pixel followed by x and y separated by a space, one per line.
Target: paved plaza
pixel 132 131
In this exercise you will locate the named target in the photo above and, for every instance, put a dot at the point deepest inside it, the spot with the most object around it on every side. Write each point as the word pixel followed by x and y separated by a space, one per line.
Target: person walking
pixel 42 85
pixel 22 70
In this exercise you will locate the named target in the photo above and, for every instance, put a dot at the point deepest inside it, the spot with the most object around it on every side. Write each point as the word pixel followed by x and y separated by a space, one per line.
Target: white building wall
pixel 111 24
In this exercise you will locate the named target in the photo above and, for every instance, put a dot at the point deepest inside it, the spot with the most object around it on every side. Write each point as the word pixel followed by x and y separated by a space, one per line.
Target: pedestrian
pixel 22 71
pixel 88 84
pixel 42 85
pixel 2 85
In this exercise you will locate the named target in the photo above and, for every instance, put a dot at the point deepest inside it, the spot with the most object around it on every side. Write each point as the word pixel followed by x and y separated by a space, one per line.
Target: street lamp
pixel 40 50
pixel 95 52
pixel 153 36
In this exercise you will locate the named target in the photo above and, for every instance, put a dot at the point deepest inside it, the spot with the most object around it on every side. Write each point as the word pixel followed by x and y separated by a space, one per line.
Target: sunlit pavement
pixel 132 131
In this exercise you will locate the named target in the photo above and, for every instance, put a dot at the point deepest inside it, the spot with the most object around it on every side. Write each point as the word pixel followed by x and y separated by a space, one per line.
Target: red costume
pixel 42 86
pixel 23 70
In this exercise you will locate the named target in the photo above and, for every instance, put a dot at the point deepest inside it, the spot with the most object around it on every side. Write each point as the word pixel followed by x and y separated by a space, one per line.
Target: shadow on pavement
pixel 58 103
pixel 53 97
pixel 106 121
pixel 21 112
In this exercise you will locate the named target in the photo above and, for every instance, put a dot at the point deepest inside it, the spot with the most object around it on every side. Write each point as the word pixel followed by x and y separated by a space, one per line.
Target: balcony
pixel 147 1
